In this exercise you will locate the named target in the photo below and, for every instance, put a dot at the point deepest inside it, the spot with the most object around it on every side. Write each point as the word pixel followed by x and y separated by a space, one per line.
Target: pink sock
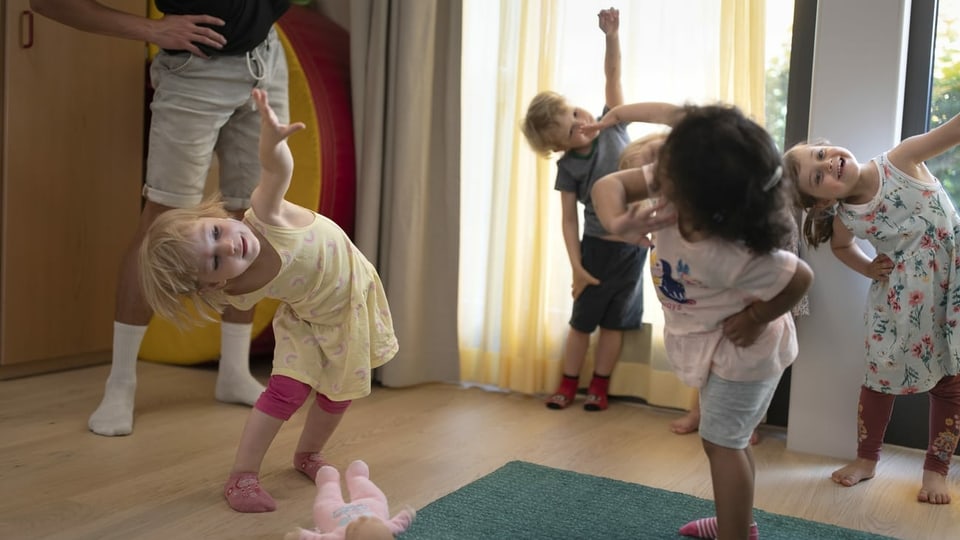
pixel 707 528
pixel 309 463
pixel 244 494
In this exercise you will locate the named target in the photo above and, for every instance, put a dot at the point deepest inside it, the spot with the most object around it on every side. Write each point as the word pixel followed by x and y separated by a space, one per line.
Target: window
pixel 945 91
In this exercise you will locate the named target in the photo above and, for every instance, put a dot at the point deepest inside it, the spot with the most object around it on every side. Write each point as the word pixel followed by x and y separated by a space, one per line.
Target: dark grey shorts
pixel 617 303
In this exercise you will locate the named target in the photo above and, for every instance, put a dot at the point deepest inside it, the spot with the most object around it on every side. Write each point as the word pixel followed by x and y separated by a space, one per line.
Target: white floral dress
pixel 912 318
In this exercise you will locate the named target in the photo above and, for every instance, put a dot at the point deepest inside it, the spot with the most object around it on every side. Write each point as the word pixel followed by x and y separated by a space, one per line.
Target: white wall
pixel 856 102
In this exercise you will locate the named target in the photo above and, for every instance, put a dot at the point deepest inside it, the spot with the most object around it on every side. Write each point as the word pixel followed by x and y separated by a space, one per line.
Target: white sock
pixel 114 415
pixel 235 384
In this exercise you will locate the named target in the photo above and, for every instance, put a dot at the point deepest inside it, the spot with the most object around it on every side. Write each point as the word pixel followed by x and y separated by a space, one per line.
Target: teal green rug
pixel 526 501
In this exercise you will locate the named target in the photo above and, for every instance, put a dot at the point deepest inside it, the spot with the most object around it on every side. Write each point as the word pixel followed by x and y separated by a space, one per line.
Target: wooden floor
pixel 59 481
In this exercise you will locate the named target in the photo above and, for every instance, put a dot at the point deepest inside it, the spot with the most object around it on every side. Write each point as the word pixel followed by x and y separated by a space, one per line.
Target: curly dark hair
pixel 718 166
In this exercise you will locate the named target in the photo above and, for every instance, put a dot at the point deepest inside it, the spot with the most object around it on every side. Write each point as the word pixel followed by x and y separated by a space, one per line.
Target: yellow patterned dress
pixel 333 326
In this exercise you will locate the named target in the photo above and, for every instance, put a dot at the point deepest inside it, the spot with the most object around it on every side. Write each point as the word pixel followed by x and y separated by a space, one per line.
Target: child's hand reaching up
pixel 274 157
pixel 609 21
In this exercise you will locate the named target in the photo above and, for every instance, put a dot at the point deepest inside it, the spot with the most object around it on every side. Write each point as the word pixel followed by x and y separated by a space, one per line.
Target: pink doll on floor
pixel 365 517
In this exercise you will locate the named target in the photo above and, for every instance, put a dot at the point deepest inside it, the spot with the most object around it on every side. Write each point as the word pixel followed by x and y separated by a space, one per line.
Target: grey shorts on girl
pixel 731 410
pixel 201 106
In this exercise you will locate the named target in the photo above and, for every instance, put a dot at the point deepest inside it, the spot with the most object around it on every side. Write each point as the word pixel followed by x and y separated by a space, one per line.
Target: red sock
pixel 707 528
pixel 244 494
pixel 568 386
pixel 597 393
pixel 309 463
pixel 563 397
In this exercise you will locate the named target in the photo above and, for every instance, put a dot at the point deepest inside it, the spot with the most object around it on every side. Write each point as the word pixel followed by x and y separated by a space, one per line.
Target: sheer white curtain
pixel 510 213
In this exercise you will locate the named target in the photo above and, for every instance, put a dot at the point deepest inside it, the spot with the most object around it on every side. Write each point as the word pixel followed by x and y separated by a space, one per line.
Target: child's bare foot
pixel 934 489
pixel 687 423
pixel 755 438
pixel 854 473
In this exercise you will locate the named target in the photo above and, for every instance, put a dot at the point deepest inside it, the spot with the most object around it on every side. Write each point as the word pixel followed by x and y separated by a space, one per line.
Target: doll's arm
pixel 401 521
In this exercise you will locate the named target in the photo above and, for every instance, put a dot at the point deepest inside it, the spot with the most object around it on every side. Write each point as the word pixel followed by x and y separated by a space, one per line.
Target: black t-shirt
pixel 247 21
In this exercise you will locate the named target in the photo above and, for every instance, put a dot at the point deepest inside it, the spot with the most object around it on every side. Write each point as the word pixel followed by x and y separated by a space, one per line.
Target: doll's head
pixel 368 528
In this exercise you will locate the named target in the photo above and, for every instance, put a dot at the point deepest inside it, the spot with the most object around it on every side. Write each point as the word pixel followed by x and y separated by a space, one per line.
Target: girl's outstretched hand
pixel 638 221
pixel 270 126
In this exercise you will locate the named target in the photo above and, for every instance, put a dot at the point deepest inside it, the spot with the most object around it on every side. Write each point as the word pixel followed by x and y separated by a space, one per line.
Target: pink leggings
pixel 284 396
pixel 874 415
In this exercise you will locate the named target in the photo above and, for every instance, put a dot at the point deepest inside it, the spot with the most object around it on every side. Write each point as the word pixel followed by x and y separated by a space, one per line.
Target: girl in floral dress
pixel 913 307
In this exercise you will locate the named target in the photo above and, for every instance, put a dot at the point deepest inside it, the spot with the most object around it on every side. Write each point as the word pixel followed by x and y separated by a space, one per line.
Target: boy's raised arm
pixel 610 24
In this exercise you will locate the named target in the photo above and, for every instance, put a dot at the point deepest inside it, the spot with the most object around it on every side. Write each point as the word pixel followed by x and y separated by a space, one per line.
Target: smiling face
pixel 225 249
pixel 826 173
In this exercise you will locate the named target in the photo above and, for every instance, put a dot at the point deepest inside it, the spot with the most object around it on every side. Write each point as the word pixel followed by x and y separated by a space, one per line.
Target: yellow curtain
pixel 514 273
pixel 742 55
pixel 515 348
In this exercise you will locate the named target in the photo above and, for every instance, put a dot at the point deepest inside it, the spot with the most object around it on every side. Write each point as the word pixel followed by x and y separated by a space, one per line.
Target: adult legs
pixel 114 415
pixel 235 383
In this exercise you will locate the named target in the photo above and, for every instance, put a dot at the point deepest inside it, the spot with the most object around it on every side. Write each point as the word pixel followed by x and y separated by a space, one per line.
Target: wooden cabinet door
pixel 72 167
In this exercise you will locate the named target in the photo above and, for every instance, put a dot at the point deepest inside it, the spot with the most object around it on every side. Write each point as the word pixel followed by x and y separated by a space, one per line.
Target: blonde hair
pixel 630 153
pixel 541 116
pixel 168 264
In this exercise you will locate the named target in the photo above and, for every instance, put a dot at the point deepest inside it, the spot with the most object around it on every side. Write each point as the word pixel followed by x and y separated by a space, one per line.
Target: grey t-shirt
pixel 578 172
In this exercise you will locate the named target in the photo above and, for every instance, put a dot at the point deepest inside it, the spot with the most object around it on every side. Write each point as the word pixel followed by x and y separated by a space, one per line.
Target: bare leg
pixel 242 489
pixel 575 351
pixel 258 434
pixel 317 430
pixel 609 343
pixel 114 415
pixel 689 422
pixel 732 473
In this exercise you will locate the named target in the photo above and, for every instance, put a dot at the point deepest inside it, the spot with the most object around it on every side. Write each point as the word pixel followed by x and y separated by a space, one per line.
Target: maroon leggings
pixel 874 415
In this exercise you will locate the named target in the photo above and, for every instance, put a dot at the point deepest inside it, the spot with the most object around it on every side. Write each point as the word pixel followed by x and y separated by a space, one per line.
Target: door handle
pixel 26 29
